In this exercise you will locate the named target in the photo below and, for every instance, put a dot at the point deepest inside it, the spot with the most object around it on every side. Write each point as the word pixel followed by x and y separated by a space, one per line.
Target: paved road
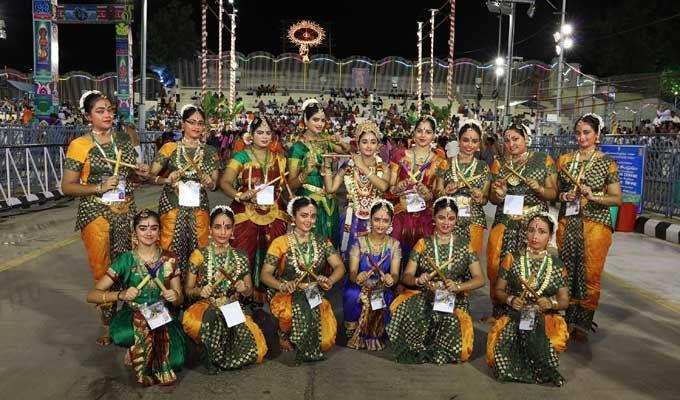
pixel 48 332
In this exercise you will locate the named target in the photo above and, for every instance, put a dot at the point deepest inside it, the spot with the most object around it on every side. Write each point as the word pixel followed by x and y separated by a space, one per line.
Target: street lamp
pixel 563 42
pixel 500 66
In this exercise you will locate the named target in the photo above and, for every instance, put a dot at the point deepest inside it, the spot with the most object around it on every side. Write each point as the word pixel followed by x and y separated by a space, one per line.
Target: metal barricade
pixel 661 192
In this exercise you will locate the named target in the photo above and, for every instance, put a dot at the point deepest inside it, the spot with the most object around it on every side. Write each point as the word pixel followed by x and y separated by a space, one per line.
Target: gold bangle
pixel 103 297
pixel 237 196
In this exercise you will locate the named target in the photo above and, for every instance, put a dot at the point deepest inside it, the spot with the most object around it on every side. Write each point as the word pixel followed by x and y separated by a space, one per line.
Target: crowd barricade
pixel 32 165
pixel 661 188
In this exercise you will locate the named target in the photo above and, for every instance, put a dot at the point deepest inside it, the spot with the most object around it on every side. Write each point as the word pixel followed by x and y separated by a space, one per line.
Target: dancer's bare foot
pixel 285 344
pixel 490 319
pixel 105 339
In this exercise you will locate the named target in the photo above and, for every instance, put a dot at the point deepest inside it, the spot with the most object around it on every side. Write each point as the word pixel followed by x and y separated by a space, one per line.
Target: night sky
pixel 370 28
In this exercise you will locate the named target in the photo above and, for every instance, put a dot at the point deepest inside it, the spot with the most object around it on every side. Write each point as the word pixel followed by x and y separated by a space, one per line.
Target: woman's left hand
pixel 324 282
pixel 534 185
pixel 586 191
pixel 544 304
pixel 476 195
pixel 387 280
pixel 423 191
pixel 170 295
pixel 142 170
pixel 240 286
pixel 452 286
pixel 207 182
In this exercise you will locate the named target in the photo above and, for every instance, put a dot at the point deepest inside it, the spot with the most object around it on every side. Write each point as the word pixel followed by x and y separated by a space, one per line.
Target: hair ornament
pixel 308 103
pixel 368 127
pixel 444 198
pixel 289 206
pixel 471 121
pixel 188 106
pixel 221 208
pixel 84 96
pixel 383 202
pixel 599 119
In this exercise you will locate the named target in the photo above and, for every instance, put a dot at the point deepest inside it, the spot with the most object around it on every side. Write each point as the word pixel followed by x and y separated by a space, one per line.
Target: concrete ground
pixel 48 332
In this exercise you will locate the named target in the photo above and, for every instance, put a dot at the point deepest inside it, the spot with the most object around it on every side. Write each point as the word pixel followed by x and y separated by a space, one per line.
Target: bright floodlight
pixel 567 29
pixel 558 49
pixel 676 93
pixel 568 43
pixel 557 36
pixel 500 71
pixel 500 61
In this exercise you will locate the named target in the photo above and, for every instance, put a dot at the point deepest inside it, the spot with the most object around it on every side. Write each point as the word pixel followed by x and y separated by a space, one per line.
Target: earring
pixel 389 230
pixel 368 228
pixel 597 139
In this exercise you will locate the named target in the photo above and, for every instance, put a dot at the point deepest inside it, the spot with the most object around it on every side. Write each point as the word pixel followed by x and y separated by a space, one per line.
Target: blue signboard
pixel 631 162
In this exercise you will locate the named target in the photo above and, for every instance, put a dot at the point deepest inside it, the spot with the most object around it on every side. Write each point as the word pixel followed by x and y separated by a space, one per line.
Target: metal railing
pixel 32 161
pixel 661 192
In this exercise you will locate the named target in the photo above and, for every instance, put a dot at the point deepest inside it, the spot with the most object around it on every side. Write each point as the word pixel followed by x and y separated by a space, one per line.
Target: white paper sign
pixel 265 195
pixel 233 314
pixel 313 296
pixel 513 205
pixel 156 314
pixel 527 319
pixel 463 204
pixel 115 195
pixel 444 301
pixel 377 300
pixel 414 203
pixel 189 194
pixel 572 207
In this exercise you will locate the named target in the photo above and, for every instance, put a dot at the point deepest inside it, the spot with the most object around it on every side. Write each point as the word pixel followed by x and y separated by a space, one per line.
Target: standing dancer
pixel 523 184
pixel 413 181
pixel 259 210
pixel 183 204
pixel 467 179
pixel 100 169
pixel 589 184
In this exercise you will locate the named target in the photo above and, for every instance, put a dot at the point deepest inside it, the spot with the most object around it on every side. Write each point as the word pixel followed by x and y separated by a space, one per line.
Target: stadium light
pixel 500 61
pixel 567 29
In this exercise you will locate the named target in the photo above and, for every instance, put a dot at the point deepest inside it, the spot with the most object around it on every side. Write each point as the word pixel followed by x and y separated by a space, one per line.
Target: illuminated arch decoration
pixel 47 15
pixel 304 35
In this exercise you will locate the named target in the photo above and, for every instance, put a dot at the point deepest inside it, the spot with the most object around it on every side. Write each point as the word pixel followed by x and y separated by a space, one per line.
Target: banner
pixel 631 162
pixel 43 59
pixel 361 78
pixel 123 72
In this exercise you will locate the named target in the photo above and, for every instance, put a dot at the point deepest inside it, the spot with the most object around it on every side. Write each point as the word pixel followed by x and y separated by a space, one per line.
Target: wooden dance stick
pixel 375 267
pixel 122 163
pixel 160 284
pixel 437 269
pixel 517 174
pixel 570 176
pixel 332 155
pixel 116 166
pixel 271 182
pixel 190 164
pixel 193 164
pixel 143 283
pixel 527 286
pixel 305 269
pixel 526 283
pixel 225 275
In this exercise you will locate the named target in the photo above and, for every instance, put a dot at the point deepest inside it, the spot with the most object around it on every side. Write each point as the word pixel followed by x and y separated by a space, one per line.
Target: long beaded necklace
pixel 103 153
pixel 584 168
pixel 264 166
pixel 211 262
pixel 544 271
pixel 180 154
pixel 308 257
pixel 456 167
pixel 435 239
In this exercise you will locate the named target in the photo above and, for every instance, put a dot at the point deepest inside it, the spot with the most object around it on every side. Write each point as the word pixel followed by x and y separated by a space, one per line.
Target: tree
pixel 171 33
